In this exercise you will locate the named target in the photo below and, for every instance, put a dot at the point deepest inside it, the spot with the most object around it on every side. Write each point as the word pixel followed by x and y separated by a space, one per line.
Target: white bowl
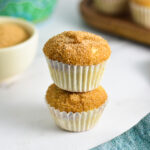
pixel 15 59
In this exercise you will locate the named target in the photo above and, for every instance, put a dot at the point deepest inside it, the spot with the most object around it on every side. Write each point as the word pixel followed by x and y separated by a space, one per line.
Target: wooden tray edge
pixel 114 25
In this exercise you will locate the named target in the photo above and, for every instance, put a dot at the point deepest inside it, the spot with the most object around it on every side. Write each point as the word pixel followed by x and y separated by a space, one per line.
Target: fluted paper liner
pixel 111 6
pixel 140 14
pixel 76 78
pixel 76 122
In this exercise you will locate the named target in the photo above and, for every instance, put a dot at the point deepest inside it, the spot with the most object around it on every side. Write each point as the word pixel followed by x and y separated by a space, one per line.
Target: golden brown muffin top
pixel 142 2
pixel 77 48
pixel 75 102
pixel 12 34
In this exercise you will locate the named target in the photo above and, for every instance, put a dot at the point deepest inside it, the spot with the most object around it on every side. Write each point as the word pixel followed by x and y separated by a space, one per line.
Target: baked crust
pixel 77 48
pixel 75 102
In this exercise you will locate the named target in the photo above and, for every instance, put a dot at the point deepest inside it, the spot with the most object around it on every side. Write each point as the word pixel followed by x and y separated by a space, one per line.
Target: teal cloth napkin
pixel 136 138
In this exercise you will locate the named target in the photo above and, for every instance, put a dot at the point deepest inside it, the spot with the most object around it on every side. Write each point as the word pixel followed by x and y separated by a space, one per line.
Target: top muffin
pixel 142 2
pixel 77 48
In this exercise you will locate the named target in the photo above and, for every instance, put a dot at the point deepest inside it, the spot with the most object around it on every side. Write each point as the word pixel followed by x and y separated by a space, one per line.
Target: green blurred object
pixel 31 10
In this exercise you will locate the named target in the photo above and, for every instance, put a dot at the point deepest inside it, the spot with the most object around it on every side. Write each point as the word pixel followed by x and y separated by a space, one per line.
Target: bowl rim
pixel 21 22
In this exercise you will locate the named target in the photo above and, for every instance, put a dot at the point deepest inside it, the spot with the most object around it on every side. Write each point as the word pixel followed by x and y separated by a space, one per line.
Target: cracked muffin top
pixel 77 48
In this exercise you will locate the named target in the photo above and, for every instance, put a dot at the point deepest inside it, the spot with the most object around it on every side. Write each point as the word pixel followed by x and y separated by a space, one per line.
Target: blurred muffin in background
pixel 111 7
pixel 31 10
pixel 140 10
pixel 76 111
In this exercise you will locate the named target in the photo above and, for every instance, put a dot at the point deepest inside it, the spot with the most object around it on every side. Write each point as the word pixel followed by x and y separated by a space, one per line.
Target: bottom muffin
pixel 76 111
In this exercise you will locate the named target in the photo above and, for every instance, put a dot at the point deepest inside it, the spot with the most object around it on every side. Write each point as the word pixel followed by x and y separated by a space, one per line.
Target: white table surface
pixel 25 123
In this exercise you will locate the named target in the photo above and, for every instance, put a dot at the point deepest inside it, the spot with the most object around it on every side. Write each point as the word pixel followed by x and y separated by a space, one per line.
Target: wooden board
pixel 122 26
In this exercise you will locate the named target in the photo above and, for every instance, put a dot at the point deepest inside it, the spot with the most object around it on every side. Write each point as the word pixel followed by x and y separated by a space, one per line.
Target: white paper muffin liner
pixel 140 14
pixel 76 78
pixel 112 7
pixel 76 122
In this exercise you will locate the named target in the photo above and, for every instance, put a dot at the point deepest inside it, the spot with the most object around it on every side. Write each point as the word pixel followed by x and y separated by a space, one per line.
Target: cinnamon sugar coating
pixel 75 102
pixel 77 48
pixel 12 34
pixel 142 2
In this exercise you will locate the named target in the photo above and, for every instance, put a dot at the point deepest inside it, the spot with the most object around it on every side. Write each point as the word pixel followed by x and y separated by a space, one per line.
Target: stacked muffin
pixel 76 62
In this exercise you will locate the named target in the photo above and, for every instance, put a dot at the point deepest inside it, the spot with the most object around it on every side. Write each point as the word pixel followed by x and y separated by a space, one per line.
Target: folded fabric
pixel 136 138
